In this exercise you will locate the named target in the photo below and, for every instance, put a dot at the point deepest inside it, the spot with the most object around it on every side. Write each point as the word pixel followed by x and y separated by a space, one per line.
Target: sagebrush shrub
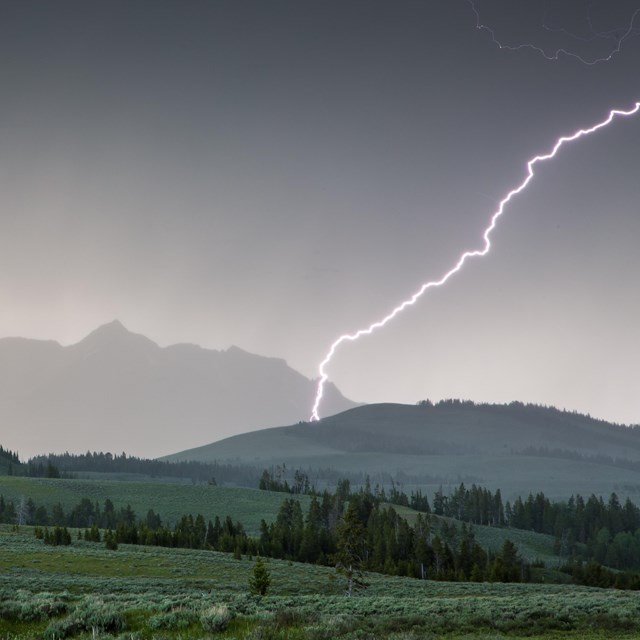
pixel 173 620
pixel 60 629
pixel 215 618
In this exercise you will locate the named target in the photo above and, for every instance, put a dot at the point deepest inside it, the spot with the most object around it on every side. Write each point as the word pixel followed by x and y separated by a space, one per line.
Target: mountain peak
pixel 115 326
pixel 112 334
pixel 118 390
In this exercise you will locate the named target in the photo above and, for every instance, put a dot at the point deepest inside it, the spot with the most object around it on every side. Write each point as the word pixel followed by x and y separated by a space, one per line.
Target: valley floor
pixel 84 590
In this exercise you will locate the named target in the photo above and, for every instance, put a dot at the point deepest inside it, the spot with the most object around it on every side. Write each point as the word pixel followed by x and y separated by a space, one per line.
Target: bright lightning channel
pixel 352 337
pixel 558 52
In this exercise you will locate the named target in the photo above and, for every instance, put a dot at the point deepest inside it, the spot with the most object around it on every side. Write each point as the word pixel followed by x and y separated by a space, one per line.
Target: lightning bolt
pixel 611 35
pixel 558 52
pixel 352 337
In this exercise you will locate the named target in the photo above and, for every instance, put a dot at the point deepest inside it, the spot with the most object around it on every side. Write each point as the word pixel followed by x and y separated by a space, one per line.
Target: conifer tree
pixel 351 544
pixel 260 579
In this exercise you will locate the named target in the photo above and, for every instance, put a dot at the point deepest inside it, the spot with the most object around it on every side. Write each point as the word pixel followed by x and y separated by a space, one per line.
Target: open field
pixel 144 592
pixel 171 501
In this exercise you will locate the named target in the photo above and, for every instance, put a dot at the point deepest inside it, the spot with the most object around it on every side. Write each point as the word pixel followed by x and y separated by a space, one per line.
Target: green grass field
pixel 143 592
pixel 171 501
pixel 247 506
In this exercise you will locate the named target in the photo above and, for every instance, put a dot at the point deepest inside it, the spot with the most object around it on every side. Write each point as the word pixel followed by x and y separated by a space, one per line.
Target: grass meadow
pixel 171 500
pixel 85 591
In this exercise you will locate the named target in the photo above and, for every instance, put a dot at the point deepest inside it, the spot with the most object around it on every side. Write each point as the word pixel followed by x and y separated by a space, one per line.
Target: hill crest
pixel 501 446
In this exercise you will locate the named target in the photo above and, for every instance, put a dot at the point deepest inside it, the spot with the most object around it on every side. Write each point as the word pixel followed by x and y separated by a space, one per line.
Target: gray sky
pixel 271 174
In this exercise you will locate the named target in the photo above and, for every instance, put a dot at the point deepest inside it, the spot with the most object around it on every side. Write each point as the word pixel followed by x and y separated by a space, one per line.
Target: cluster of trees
pixel 44 469
pixel 607 532
pixel 123 526
pixel 593 574
pixel 57 537
pixel 188 533
pixel 85 514
pixel 23 512
pixel 10 460
pixel 378 539
pixel 274 479
pixel 476 505
pixel 9 456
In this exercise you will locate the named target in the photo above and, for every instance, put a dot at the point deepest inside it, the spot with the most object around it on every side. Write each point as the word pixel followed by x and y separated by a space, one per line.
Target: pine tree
pixel 110 541
pixel 260 579
pixel 351 545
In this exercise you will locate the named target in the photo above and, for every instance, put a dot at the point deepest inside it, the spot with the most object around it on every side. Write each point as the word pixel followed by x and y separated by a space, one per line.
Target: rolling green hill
pixel 517 448
pixel 170 501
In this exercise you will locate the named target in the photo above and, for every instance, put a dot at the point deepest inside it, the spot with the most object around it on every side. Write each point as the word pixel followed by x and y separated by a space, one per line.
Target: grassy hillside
pixel 446 428
pixel 532 546
pixel 171 501
pixel 514 447
pixel 156 592
pixel 247 506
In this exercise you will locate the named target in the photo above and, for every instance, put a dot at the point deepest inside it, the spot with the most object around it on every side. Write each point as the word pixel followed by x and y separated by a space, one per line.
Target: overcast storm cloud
pixel 273 174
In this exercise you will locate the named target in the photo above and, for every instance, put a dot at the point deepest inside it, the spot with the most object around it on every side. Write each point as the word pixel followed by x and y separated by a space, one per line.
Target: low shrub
pixel 215 618
pixel 10 610
pixel 60 629
pixel 272 633
pixel 173 620
pixel 89 615
pixel 96 616
pixel 42 608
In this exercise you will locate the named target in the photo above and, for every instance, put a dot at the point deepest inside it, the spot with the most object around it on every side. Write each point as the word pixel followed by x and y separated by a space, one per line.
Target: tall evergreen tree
pixel 260 579
pixel 351 547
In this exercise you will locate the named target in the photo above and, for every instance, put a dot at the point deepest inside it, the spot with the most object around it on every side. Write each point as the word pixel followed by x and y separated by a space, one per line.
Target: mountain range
pixel 119 391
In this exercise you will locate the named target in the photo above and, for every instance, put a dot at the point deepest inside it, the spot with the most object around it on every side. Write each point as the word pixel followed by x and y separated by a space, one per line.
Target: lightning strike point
pixel 352 337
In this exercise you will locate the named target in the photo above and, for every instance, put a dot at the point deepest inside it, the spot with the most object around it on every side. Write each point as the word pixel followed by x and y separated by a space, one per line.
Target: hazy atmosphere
pixel 273 174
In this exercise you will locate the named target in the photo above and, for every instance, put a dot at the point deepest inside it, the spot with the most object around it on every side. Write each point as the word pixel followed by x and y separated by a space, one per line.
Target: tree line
pixel 380 540
pixel 607 533
pixel 357 530
pixel 589 534
pixel 9 456
pixel 568 454
pixel 200 472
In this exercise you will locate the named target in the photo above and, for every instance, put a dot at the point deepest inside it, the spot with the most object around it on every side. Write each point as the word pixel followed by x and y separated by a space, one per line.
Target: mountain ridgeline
pixel 119 391
pixel 519 447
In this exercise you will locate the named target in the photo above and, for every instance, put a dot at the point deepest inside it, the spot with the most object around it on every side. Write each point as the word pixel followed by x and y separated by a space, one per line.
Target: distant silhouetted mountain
pixel 119 391
pixel 517 448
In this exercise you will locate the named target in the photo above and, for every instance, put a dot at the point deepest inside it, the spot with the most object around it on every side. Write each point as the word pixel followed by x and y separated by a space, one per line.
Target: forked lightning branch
pixel 352 337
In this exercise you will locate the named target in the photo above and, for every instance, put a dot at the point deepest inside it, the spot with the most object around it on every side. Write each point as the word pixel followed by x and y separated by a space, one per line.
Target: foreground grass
pixel 154 593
